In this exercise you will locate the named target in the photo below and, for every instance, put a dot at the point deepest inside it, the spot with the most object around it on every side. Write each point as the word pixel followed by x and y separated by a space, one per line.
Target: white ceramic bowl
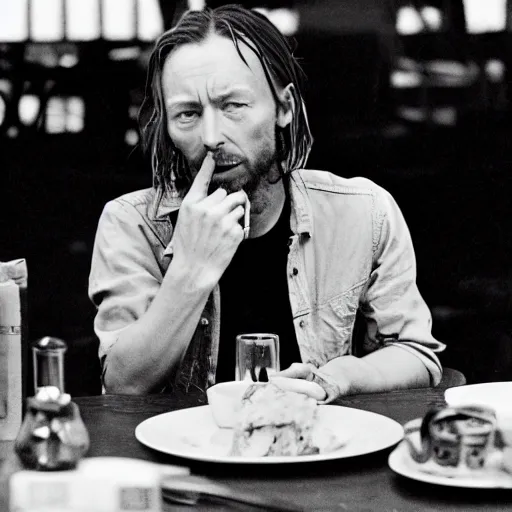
pixel 225 400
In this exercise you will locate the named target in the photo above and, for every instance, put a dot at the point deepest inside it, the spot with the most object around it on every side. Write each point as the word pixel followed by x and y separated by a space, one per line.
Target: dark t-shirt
pixel 254 296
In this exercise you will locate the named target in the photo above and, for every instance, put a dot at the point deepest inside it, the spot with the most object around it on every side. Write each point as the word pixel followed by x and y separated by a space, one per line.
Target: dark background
pixel 452 182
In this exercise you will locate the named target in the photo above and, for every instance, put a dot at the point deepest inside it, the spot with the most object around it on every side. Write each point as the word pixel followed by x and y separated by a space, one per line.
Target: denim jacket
pixel 350 251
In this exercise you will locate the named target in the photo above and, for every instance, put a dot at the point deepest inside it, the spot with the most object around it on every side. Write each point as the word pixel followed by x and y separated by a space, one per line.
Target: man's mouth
pixel 223 166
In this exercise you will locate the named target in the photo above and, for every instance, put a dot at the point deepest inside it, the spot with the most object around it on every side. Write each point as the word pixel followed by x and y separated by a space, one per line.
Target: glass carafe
pixel 53 435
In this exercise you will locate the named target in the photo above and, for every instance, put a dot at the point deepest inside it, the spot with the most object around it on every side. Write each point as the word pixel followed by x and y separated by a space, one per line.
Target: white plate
pixel 493 394
pixel 193 434
pixel 492 477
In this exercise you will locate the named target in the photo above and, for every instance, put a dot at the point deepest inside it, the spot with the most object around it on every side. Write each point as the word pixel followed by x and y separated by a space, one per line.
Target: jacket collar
pixel 301 215
pixel 168 205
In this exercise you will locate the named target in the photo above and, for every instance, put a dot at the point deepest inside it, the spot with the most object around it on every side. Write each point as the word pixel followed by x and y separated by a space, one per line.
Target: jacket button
pixel 204 321
pixel 295 271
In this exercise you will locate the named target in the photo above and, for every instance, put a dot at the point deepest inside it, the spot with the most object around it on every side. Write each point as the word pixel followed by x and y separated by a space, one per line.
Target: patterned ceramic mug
pixel 457 437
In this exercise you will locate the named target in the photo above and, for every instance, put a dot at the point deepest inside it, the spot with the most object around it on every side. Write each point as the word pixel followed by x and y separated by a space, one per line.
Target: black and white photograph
pixel 256 255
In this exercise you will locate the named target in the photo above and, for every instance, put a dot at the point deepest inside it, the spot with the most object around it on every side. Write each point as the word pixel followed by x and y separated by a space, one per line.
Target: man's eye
pixel 233 106
pixel 186 116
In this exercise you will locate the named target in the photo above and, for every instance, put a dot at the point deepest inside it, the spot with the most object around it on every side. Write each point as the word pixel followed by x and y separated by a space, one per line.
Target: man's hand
pixel 208 231
pixel 386 369
pixel 299 377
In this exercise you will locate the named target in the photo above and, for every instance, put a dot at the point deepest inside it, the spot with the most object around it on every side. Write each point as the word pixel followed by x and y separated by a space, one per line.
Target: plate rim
pixel 334 455
pixel 456 390
pixel 395 463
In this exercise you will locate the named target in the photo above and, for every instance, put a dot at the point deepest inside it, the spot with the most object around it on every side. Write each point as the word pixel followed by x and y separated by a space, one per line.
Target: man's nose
pixel 212 130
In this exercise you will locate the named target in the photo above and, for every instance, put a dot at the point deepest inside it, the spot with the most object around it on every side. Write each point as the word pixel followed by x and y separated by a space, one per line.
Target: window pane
pixel 46 20
pixel 285 20
pixel 75 114
pixel 433 17
pixel 28 108
pixel 485 16
pixel 150 20
pixel 56 115
pixel 408 21
pixel 2 110
pixel 196 5
pixel 13 21
pixel 119 19
pixel 83 19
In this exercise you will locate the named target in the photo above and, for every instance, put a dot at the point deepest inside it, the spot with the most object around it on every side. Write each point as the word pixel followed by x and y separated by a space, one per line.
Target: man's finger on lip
pixel 199 188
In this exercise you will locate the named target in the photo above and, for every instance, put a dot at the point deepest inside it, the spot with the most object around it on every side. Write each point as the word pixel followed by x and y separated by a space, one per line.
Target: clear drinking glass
pixel 48 358
pixel 257 356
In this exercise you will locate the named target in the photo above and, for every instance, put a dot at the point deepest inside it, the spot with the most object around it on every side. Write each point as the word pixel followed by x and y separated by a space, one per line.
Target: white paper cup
pixel 225 401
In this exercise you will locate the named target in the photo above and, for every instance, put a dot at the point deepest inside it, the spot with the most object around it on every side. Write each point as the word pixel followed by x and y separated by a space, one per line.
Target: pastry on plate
pixel 276 422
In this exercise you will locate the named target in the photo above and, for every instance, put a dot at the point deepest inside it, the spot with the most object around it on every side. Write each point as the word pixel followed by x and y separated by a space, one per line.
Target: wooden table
pixel 358 484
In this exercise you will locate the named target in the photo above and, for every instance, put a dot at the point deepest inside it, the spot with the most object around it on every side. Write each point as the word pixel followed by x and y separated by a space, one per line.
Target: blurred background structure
pixel 413 94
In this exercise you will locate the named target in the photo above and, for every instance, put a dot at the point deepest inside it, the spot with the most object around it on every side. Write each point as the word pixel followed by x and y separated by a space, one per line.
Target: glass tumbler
pixel 257 356
pixel 48 362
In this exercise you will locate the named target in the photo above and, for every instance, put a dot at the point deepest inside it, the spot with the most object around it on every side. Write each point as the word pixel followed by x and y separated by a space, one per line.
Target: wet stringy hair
pixel 171 174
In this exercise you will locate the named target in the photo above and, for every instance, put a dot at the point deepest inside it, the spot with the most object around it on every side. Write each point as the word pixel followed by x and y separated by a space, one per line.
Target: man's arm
pixel 152 347
pixel 147 340
pixel 387 369
pixel 399 348
pixel 384 370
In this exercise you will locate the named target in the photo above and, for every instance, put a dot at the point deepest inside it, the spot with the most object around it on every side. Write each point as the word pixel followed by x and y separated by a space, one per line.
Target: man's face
pixel 215 102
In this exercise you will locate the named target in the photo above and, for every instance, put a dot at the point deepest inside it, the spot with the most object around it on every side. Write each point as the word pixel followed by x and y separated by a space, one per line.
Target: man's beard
pixel 266 168
pixel 250 180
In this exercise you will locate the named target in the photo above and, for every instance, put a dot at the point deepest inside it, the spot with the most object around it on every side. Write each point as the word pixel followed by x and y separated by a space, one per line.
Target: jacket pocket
pixel 337 319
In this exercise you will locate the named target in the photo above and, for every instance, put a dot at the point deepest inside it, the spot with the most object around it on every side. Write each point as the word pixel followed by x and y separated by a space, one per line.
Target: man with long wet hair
pixel 235 236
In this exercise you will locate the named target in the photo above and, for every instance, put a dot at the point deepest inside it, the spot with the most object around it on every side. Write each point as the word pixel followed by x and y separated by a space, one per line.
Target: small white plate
pixel 493 394
pixel 496 395
pixel 193 434
pixel 491 477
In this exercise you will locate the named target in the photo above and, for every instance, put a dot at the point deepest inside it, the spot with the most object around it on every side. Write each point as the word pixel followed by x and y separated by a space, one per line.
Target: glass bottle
pixel 53 435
